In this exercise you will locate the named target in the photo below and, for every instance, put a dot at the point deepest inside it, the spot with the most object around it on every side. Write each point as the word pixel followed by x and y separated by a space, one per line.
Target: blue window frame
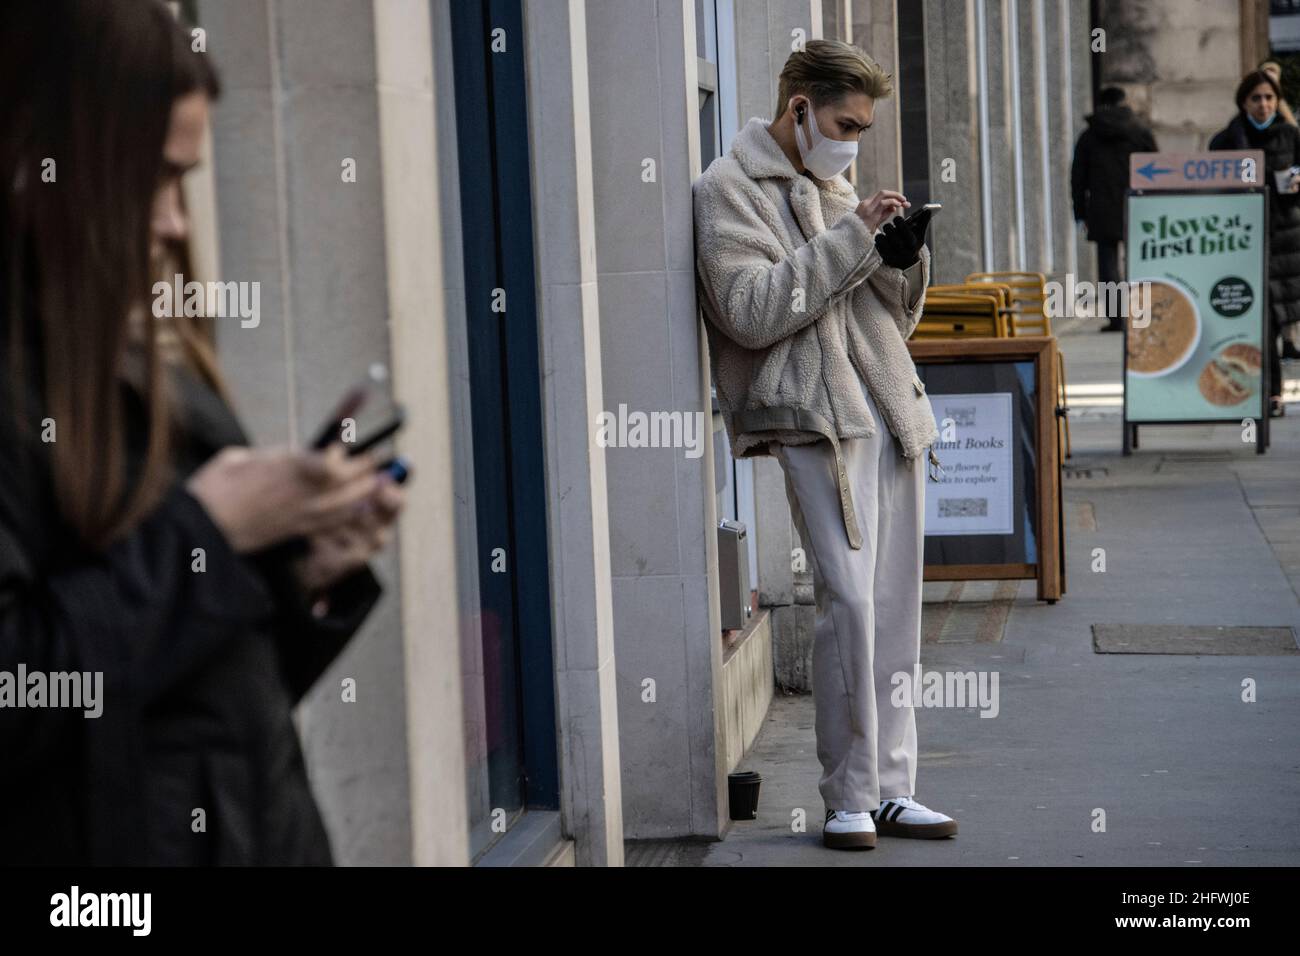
pixel 505 389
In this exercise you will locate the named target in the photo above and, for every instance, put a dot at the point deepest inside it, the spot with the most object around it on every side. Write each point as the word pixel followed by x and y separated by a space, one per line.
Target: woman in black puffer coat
pixel 1257 125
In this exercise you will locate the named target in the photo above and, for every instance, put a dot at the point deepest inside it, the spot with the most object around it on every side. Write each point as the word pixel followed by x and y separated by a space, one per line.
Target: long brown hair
pixel 86 91
pixel 190 340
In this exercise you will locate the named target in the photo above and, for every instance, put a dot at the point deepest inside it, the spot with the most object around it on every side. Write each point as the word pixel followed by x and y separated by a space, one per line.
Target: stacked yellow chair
pixel 1027 315
pixel 965 310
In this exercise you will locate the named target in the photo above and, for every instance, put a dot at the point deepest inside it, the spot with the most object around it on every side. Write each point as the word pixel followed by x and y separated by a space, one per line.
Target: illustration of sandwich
pixel 1229 378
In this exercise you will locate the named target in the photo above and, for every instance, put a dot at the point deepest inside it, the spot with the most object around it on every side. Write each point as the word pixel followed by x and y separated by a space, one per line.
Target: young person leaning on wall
pixel 809 296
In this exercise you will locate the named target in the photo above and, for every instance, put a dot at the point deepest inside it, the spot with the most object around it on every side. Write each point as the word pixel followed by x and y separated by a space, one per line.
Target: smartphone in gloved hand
pixel 900 240
pixel 919 221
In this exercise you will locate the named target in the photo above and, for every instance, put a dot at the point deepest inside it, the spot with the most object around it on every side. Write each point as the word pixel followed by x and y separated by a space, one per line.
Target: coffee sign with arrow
pixel 1218 170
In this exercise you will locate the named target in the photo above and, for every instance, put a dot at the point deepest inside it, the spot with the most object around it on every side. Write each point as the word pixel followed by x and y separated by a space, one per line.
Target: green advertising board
pixel 1196 352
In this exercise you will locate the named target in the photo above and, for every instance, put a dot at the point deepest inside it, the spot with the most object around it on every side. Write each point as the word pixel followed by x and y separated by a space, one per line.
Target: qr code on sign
pixel 963 507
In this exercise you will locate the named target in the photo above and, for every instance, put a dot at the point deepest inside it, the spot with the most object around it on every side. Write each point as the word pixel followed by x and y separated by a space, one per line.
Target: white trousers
pixel 868 610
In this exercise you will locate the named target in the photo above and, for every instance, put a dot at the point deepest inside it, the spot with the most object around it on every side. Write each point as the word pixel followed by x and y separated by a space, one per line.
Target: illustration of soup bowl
pixel 1171 329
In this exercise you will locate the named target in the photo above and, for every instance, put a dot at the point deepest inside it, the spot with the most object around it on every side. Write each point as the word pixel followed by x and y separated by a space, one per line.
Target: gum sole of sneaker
pixel 918 831
pixel 849 841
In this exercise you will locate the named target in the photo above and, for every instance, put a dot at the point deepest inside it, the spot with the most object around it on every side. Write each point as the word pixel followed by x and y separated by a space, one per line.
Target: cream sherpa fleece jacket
pixel 794 321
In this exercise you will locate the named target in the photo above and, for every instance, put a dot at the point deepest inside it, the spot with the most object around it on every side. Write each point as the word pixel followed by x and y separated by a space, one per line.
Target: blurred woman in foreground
pixel 195 587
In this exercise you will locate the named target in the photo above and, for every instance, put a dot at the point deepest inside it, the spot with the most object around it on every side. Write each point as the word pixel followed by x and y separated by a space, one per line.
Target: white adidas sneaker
pixel 849 830
pixel 904 817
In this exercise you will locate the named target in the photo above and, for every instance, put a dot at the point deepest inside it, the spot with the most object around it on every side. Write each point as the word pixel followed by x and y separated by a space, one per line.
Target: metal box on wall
pixel 733 575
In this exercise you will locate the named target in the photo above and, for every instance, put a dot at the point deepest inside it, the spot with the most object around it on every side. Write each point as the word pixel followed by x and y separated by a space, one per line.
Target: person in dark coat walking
pixel 167 595
pixel 1257 126
pixel 1099 177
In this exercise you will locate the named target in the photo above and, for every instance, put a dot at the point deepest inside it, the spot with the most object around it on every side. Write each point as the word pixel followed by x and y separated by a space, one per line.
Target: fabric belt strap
pixel 799 419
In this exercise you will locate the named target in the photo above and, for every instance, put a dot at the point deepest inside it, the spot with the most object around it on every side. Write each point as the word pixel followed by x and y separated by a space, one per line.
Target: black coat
pixel 1099 174
pixel 201 671
pixel 1281 145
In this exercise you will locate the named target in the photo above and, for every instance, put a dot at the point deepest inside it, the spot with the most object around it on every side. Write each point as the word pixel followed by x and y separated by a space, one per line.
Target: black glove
pixel 900 241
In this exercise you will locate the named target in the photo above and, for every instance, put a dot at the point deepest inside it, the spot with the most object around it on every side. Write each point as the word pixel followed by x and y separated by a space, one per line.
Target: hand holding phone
pixel 899 240
pixel 341 428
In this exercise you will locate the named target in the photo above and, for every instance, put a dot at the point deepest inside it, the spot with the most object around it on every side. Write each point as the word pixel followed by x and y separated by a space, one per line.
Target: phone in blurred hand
pixel 345 422
pixel 382 434
pixel 348 407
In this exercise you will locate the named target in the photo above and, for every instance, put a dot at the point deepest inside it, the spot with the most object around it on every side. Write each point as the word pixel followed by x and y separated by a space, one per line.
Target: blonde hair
pixel 827 70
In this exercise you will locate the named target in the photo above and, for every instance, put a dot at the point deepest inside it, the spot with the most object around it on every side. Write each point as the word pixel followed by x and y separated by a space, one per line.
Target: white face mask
pixel 824 157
